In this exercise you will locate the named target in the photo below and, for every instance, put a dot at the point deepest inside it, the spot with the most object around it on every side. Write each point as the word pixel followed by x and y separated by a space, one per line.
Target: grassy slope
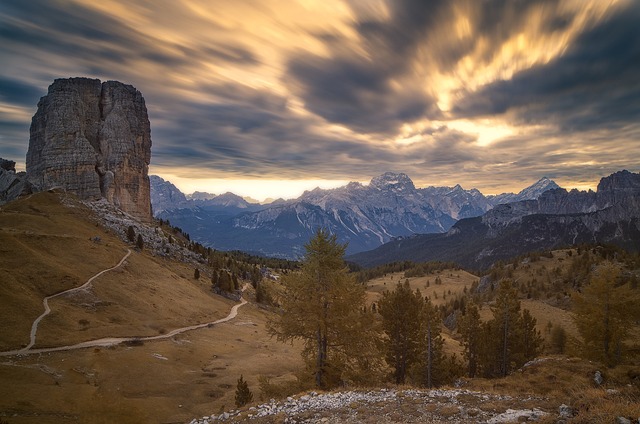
pixel 45 248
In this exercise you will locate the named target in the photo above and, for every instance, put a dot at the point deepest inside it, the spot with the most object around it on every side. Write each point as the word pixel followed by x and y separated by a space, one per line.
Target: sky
pixel 267 98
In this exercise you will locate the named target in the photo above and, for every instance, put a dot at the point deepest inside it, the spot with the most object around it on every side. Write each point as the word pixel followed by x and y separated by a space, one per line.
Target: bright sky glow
pixel 268 98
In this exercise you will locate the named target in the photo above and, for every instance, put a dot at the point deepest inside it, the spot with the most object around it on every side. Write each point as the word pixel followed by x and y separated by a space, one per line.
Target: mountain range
pixel 364 216
pixel 556 218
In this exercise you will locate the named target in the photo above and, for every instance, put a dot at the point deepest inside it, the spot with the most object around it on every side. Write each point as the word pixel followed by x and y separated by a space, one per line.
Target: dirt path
pixel 47 309
pixel 109 341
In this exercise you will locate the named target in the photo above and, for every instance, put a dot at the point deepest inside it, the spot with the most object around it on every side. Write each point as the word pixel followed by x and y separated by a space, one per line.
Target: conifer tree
pixel 140 242
pixel 322 307
pixel 224 282
pixel 196 274
pixel 510 339
pixel 604 314
pixel 131 234
pixel 506 315
pixel 470 328
pixel 401 312
pixel 531 341
pixel 434 369
pixel 243 394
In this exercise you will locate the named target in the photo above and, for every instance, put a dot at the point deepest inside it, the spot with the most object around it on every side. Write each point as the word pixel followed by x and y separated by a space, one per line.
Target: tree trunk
pixel 504 366
pixel 321 359
pixel 429 357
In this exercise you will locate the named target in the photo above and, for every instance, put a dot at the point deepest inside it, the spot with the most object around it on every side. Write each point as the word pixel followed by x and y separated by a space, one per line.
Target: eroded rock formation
pixel 12 184
pixel 93 139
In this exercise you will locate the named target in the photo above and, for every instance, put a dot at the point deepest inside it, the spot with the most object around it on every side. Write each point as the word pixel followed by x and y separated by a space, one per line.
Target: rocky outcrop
pixel 93 139
pixel 12 184
pixel 620 191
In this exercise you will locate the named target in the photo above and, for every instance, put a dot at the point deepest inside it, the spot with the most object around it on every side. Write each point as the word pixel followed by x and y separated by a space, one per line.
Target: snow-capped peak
pixel 392 180
pixel 534 191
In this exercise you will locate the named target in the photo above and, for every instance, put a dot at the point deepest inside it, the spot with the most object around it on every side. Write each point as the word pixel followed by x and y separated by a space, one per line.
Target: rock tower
pixel 93 139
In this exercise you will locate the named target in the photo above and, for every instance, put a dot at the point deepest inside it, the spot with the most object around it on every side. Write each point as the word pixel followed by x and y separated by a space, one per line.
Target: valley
pixel 151 374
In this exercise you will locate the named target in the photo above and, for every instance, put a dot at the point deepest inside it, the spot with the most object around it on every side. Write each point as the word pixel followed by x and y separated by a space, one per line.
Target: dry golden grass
pixel 556 380
pixel 45 248
pixel 453 282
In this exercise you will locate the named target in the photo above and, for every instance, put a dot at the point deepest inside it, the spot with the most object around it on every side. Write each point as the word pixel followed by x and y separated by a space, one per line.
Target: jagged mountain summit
pixel 530 193
pixel 557 218
pixel 165 196
pixel 364 216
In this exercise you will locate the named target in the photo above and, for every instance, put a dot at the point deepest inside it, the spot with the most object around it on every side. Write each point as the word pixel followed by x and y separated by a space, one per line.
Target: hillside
pixel 50 242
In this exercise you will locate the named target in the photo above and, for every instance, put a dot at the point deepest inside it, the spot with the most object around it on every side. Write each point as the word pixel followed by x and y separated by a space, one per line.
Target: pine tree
pixel 196 274
pixel 224 282
pixel 531 340
pixel 434 370
pixel 131 234
pixel 401 312
pixel 506 314
pixel 604 313
pixel 140 242
pixel 470 328
pixel 510 339
pixel 558 339
pixel 322 307
pixel 243 394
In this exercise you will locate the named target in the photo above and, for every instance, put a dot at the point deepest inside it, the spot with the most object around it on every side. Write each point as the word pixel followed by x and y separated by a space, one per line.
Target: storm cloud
pixel 492 94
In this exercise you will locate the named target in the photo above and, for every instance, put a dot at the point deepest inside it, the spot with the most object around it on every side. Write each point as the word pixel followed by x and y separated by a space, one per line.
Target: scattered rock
pixel 565 411
pixel 597 378
pixel 623 420
pixel 439 405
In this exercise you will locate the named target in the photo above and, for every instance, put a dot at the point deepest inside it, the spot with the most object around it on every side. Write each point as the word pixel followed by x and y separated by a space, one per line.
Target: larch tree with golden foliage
pixel 323 307
pixel 604 313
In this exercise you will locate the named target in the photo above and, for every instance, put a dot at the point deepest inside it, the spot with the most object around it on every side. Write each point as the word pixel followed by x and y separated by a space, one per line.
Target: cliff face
pixel 93 139
pixel 620 191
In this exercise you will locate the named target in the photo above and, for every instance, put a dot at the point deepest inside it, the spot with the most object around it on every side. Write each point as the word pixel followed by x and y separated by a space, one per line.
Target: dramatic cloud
pixel 493 94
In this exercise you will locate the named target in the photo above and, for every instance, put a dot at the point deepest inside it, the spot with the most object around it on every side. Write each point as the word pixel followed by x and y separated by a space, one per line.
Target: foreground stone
pixel 385 406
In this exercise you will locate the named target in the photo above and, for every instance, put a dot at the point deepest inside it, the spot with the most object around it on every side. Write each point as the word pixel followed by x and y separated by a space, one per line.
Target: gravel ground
pixel 388 406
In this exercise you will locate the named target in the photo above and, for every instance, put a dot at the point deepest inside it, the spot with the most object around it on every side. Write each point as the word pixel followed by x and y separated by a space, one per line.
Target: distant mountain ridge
pixel 364 216
pixel 532 192
pixel 557 218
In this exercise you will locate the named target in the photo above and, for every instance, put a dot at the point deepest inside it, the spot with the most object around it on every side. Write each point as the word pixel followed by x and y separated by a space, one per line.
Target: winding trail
pixel 109 341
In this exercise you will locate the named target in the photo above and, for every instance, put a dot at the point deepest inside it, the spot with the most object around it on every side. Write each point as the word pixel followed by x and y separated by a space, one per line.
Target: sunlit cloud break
pixel 492 95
